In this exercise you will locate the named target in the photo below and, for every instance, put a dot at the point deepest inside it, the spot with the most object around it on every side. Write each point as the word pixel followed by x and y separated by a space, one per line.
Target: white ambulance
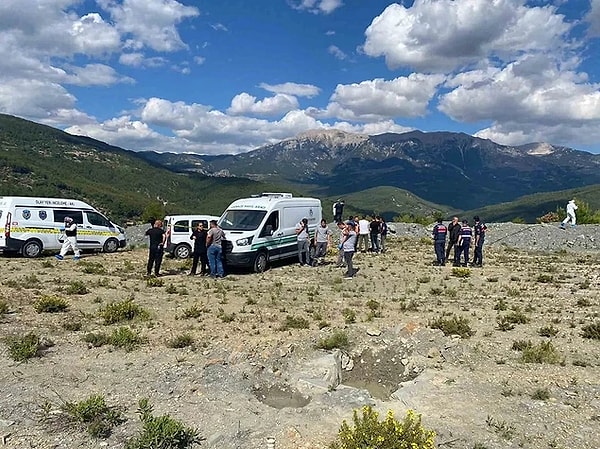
pixel 33 225
pixel 262 228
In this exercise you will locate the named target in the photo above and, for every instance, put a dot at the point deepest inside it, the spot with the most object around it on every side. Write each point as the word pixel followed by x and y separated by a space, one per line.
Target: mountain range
pixel 454 169
pixel 414 173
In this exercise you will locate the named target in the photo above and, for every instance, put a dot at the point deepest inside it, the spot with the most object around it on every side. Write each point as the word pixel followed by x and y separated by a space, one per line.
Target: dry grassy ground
pixel 251 331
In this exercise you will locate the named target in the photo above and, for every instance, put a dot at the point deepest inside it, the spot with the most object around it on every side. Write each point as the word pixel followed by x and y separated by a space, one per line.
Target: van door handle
pixel 279 234
pixel 88 227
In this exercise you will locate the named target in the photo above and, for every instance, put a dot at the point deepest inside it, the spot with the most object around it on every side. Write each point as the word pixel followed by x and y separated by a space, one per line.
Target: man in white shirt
pixel 571 208
pixel 303 241
pixel 363 234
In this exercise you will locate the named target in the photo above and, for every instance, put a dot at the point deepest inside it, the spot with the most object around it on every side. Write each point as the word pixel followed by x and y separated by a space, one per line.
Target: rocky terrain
pixel 523 374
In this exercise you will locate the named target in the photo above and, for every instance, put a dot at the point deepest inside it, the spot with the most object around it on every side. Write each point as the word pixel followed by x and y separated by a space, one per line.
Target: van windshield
pixel 242 220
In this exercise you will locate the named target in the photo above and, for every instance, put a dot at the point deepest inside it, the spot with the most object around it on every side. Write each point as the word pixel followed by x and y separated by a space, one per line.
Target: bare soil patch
pixel 248 367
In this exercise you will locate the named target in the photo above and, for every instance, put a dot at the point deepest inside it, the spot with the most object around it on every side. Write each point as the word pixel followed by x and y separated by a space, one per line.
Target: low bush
pixel 162 432
pixel 98 418
pixel 453 325
pixel 294 322
pixel 117 312
pixel 368 432
pixel 125 338
pixel 21 348
pixel 51 304
pixel 338 339
pixel 591 331
pixel 181 341
pixel 545 352
pixel 76 288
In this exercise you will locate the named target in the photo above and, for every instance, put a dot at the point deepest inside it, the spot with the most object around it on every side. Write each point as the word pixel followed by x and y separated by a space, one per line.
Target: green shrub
pixel 3 307
pixel 453 325
pixel 51 304
pixel 349 316
pixel 338 339
pixel 154 282
pixel 545 352
pixel 125 338
pixel 93 413
pixel 591 331
pixel 547 331
pixel 92 267
pixel 96 339
pixel 181 341
pixel 541 394
pixel 127 310
pixel 545 278
pixel 192 312
pixel 368 432
pixel 294 322
pixel 461 272
pixel 521 345
pixel 76 288
pixel 24 347
pixel 162 432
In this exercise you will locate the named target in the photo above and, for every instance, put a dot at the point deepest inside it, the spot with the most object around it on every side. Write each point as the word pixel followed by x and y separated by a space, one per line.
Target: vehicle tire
pixel 32 248
pixel 182 251
pixel 261 261
pixel 111 245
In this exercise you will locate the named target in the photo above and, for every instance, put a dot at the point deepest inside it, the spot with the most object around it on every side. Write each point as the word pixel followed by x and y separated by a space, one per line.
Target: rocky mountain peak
pixel 332 137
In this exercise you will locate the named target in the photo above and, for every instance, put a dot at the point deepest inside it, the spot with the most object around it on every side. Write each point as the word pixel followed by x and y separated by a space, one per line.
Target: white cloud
pixel 297 90
pixel 533 98
pixel 137 59
pixel 150 22
pixel 95 75
pixel 218 27
pixel 593 18
pixel 378 99
pixel 446 34
pixel 276 105
pixel 335 51
pixel 316 6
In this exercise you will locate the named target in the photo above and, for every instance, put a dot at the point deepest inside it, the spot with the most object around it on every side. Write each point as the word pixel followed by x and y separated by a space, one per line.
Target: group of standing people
pixel 461 237
pixel 208 248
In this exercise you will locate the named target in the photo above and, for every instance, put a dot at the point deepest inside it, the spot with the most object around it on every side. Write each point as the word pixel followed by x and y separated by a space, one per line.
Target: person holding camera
pixel 302 236
pixel 156 247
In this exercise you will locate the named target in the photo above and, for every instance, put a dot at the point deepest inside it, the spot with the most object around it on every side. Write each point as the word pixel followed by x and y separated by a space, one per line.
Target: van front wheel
pixel 32 248
pixel 111 245
pixel 260 263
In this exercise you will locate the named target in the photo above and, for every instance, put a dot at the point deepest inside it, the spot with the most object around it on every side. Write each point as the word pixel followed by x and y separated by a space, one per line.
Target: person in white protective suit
pixel 571 208
pixel 70 241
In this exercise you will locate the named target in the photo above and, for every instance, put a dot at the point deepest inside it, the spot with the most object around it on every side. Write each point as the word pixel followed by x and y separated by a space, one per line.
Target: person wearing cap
pixel 340 260
pixel 571 208
pixel 463 244
pixel 70 241
pixel 479 230
pixel 302 237
pixel 439 242
pixel 322 241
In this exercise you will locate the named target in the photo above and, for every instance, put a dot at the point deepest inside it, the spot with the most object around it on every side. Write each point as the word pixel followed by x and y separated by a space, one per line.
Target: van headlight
pixel 244 242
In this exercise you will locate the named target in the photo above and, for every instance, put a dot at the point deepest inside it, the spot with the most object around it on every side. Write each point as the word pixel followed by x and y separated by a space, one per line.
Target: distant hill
pixel 456 169
pixel 530 207
pixel 37 160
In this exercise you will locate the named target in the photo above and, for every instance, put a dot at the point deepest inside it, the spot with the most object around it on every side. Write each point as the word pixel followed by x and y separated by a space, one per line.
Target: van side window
pixel 195 223
pixel 60 214
pixel 97 220
pixel 181 226
pixel 271 225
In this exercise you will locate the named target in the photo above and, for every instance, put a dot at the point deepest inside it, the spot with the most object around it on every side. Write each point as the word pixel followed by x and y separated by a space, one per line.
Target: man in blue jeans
pixel 214 239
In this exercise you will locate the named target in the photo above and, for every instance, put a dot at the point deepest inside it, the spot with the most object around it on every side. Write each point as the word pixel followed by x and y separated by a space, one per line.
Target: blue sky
pixel 229 76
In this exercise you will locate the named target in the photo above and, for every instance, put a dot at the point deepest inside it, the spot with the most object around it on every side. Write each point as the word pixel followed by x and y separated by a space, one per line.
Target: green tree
pixel 585 214
pixel 154 210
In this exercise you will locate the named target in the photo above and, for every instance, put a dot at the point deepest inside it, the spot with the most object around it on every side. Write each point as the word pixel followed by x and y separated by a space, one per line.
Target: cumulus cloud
pixel 297 90
pixel 95 75
pixel 151 23
pixel 136 59
pixel 316 6
pixel 247 104
pixel 529 99
pixel 446 34
pixel 378 99
pixel 593 18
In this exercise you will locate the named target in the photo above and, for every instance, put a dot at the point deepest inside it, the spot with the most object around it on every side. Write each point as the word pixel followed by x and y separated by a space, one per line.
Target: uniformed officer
pixel 463 244
pixel 480 229
pixel 439 241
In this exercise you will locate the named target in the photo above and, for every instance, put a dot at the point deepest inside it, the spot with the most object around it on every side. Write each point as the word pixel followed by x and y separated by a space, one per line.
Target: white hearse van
pixel 262 228
pixel 32 225
pixel 179 230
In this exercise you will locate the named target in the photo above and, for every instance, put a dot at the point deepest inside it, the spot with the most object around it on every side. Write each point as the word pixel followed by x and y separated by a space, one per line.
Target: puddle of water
pixel 281 396
pixel 375 389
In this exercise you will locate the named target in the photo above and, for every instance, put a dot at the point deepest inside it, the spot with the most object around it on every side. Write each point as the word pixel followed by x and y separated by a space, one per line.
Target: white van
pixel 262 228
pixel 179 229
pixel 32 225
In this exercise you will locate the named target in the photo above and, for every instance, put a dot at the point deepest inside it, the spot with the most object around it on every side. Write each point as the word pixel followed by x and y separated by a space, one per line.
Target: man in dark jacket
pixel 453 233
pixel 439 240
pixel 199 238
